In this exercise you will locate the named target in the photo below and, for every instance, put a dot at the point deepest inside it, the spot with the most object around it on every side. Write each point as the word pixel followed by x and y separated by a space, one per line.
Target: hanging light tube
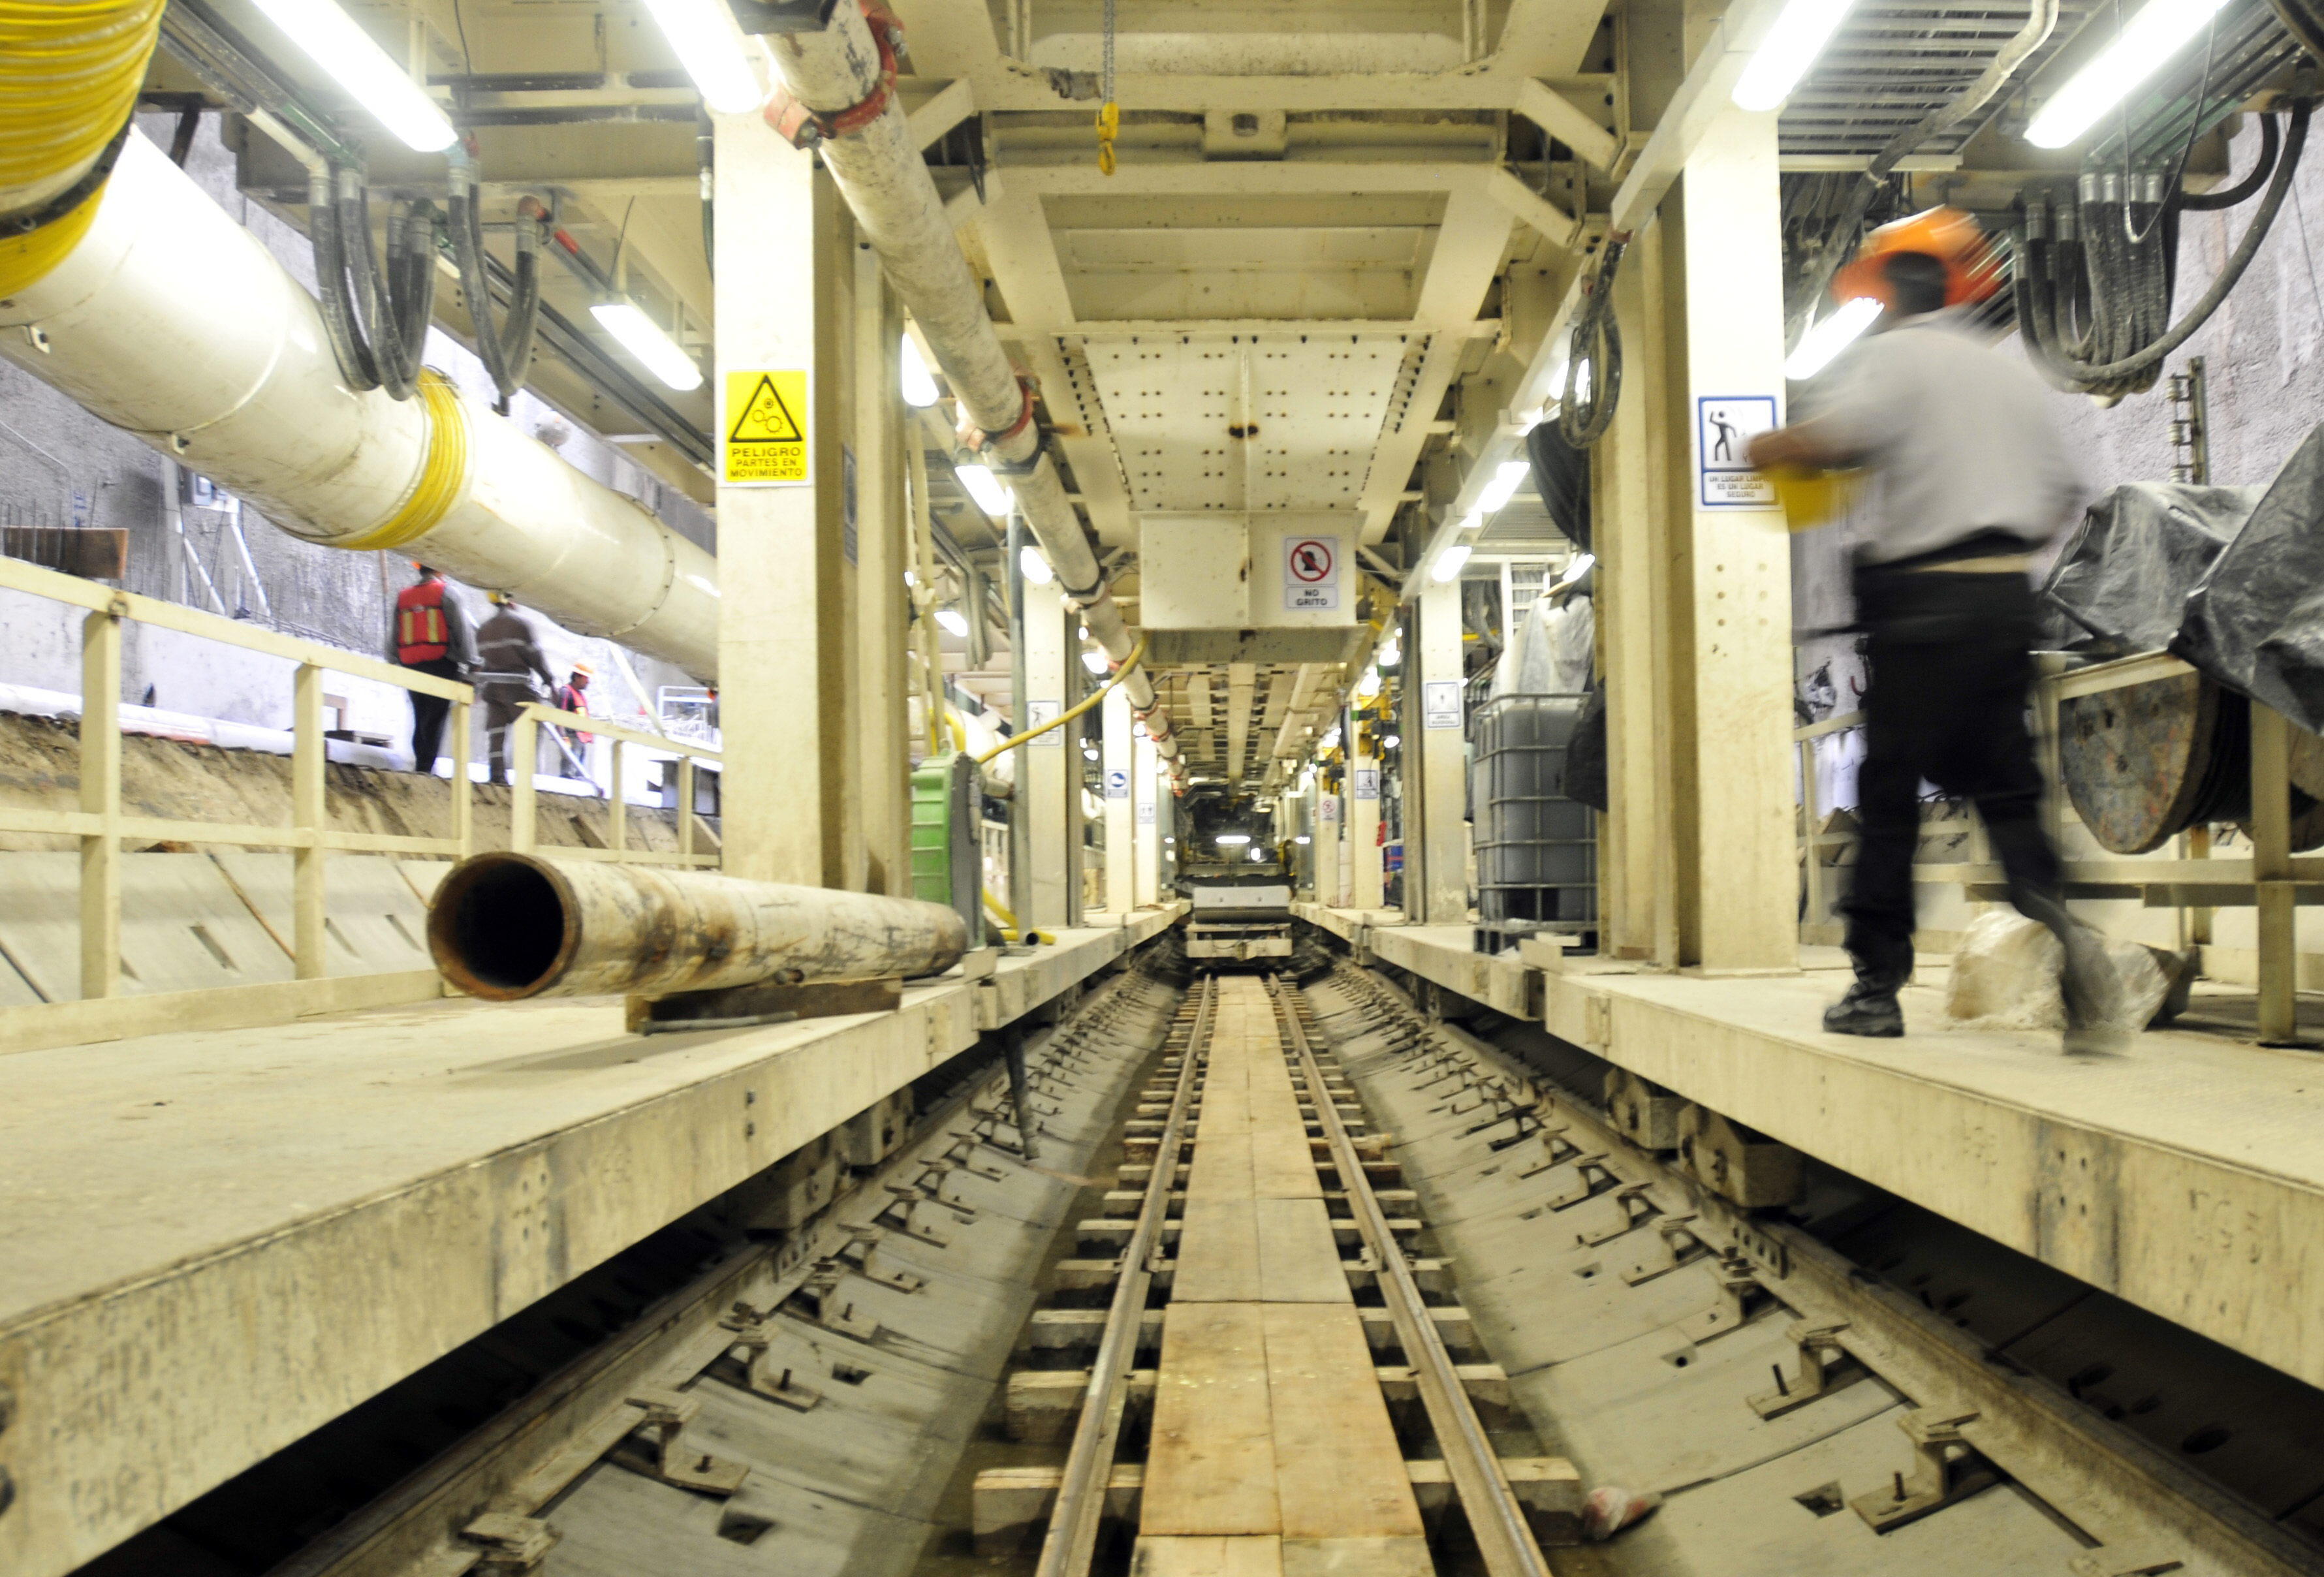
pixel 701 34
pixel 1789 52
pixel 645 340
pixel 354 60
pixel 2145 44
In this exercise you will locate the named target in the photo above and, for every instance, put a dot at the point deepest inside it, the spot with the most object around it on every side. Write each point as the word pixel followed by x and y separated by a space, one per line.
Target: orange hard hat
pixel 1973 269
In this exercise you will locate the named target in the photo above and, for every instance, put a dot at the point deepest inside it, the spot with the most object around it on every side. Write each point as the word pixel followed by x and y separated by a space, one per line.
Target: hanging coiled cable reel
pixel 506 350
pixel 2094 301
pixel 1593 355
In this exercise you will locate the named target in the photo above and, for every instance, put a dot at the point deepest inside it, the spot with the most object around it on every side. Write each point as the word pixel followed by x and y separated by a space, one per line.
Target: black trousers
pixel 1951 674
pixel 427 715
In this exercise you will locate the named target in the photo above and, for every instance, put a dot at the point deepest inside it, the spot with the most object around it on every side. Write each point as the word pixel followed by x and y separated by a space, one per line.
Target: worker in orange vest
pixel 429 633
pixel 572 695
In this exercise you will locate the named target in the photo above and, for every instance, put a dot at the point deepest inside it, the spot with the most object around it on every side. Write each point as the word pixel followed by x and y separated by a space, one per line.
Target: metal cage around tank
pixel 1536 849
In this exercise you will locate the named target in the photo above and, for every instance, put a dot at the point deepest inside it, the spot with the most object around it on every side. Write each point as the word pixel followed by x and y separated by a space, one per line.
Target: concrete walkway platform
pixel 2185 1173
pixel 215 1241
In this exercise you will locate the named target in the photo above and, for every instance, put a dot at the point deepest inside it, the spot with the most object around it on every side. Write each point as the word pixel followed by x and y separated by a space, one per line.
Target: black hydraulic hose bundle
pixel 375 314
pixel 2094 300
pixel 507 351
pixel 1593 357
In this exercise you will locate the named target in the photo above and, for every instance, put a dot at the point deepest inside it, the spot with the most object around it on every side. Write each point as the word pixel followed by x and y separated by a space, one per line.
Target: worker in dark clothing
pixel 507 660
pixel 1969 478
pixel 429 633
pixel 572 695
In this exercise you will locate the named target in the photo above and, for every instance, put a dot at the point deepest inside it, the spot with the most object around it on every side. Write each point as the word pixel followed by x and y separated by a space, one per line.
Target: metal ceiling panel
pixel 1243 421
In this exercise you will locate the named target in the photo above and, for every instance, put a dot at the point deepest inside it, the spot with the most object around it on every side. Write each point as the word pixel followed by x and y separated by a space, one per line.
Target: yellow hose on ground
pixel 1010 927
pixel 1062 718
pixel 68 79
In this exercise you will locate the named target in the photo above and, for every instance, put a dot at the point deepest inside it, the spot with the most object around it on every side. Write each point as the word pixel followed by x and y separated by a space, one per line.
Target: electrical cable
pixel 2194 128
pixel 506 350
pixel 2227 196
pixel 1596 350
pixel 1062 718
pixel 2064 355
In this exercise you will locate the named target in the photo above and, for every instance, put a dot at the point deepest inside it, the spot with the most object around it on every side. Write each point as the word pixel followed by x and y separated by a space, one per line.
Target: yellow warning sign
pixel 766 427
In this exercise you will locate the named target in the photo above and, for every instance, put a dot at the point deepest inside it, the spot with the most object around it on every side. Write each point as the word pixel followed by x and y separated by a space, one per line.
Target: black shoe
pixel 1869 1008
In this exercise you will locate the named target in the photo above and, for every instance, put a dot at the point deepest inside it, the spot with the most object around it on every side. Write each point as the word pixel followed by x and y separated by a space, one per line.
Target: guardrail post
pixel 100 796
pixel 620 807
pixel 464 808
pixel 1814 834
pixel 2278 956
pixel 686 809
pixel 307 789
pixel 523 744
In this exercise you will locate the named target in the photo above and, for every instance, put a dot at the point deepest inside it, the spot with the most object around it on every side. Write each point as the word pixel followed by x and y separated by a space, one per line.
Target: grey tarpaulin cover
pixel 2126 573
pixel 2256 623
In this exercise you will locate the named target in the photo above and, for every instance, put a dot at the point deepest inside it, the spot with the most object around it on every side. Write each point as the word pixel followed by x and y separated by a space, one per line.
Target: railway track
pixel 1267 1428
pixel 1169 1289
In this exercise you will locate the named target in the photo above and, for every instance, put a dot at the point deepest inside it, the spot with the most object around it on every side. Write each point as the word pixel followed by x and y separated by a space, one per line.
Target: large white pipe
pixel 170 321
pixel 878 170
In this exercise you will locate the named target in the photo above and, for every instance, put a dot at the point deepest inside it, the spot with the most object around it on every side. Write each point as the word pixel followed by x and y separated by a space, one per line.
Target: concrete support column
pixel 1047 770
pixel 1699 866
pixel 1436 832
pixel 1364 866
pixel 1736 573
pixel 784 644
pixel 1147 786
pixel 883 552
pixel 1120 827
pixel 1325 850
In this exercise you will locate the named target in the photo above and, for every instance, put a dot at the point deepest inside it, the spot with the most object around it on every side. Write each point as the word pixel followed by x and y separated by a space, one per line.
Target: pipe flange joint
pixel 803 127
pixel 1031 463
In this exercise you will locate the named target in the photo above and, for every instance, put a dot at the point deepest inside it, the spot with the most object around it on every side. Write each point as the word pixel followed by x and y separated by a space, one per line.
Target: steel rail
pixel 1498 1522
pixel 1071 1541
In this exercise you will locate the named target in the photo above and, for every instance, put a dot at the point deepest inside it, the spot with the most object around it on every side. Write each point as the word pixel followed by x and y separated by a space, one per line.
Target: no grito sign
pixel 1310 575
pixel 764 436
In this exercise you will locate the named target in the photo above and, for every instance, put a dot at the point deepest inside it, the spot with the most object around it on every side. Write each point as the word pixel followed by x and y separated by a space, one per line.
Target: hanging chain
pixel 1109 115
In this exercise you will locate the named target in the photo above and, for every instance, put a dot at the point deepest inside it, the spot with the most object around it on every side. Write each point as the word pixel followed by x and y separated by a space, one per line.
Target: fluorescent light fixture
pixel 1089 753
pixel 1033 566
pixel 701 34
pixel 1392 654
pixel 1259 853
pixel 1449 563
pixel 1097 662
pixel 1827 337
pixel 1503 487
pixel 1302 841
pixel 1331 740
pixel 2160 29
pixel 358 64
pixel 1232 840
pixel 1391 742
pixel 983 486
pixel 1368 683
pixel 643 338
pixel 952 620
pixel 919 389
pixel 1801 31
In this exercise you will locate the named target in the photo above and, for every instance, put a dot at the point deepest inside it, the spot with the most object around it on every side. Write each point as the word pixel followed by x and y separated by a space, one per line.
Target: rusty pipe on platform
pixel 505 927
pixel 839 80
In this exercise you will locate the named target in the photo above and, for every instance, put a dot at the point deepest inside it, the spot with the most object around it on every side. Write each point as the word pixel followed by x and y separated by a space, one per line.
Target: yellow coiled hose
pixel 68 79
